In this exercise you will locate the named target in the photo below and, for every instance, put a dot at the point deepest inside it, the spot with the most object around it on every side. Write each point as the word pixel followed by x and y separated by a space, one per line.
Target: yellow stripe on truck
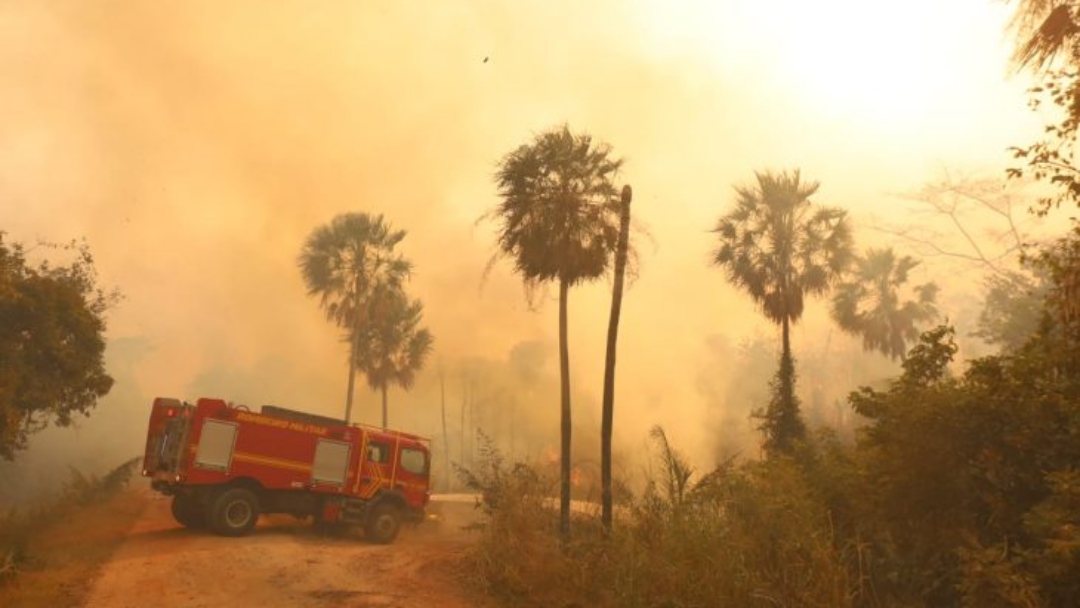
pixel 280 463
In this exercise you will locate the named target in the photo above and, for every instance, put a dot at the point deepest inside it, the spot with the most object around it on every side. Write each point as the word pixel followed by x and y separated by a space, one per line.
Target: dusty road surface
pixel 284 562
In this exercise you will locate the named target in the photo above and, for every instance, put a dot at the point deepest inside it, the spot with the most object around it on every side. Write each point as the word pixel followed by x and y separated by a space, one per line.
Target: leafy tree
pixel 1012 309
pixel 868 302
pixel 344 263
pixel 392 346
pixel 1049 33
pixel 780 248
pixel 1061 261
pixel 1048 36
pixel 608 415
pixel 52 325
pixel 558 222
pixel 964 477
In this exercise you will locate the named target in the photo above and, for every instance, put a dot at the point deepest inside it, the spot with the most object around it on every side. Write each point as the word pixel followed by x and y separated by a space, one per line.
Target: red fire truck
pixel 224 465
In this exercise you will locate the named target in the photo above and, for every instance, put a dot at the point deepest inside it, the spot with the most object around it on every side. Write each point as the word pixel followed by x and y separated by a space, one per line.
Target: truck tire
pixel 234 512
pixel 187 511
pixel 383 523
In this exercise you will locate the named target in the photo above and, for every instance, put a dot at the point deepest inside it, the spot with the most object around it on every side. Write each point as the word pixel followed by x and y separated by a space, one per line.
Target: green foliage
pixel 1061 261
pixel 676 470
pixel 516 556
pixel 558 219
pixel 955 470
pixel 780 420
pixel 738 536
pixel 345 263
pixel 961 489
pixel 18 528
pixel 1054 527
pixel 392 346
pixel 1047 31
pixel 780 248
pixel 52 344
pixel 1049 36
pixel 868 303
pixel 1012 309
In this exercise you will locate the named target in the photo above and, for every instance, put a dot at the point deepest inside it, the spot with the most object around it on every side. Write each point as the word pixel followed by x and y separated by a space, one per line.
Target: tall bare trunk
pixel 352 379
pixel 564 454
pixel 384 420
pixel 354 347
pixel 608 416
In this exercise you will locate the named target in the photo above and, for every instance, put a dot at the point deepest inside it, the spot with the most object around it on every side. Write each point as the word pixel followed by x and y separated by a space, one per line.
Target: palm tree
pixel 344 263
pixel 608 416
pixel 868 304
pixel 1044 30
pixel 558 221
pixel 393 347
pixel 780 248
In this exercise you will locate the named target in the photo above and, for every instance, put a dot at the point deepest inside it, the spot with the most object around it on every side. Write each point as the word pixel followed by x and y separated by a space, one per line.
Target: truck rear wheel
pixel 234 512
pixel 383 523
pixel 187 511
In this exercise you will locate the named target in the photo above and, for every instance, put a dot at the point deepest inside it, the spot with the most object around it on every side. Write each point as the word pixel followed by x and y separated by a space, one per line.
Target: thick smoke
pixel 196 144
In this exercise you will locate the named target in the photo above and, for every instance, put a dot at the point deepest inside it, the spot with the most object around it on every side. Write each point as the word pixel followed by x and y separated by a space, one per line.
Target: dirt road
pixel 284 562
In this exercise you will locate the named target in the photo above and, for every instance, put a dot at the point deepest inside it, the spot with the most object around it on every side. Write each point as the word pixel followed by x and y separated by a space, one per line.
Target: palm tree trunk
pixel 784 422
pixel 564 453
pixel 383 406
pixel 786 345
pixel 354 346
pixel 352 379
pixel 608 416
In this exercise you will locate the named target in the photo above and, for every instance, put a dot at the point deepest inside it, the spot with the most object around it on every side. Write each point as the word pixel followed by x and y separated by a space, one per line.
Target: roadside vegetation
pixel 960 490
pixel 50 553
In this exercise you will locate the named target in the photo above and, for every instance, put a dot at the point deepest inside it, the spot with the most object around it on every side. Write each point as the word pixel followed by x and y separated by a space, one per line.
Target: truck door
pixel 412 474
pixel 375 472
pixel 216 442
pixel 331 462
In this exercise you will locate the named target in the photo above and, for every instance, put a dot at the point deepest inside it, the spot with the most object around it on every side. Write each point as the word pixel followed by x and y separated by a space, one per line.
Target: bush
pixel 18 528
pixel 742 535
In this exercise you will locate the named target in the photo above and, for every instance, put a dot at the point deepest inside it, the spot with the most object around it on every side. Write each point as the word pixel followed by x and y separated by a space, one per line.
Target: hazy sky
pixel 195 144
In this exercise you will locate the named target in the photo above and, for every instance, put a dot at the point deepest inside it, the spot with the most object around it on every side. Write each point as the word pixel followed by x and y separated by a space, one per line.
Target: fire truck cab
pixel 224 465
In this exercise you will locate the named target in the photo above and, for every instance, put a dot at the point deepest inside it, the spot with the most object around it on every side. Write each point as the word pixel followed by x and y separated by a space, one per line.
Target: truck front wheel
pixel 234 512
pixel 187 511
pixel 383 523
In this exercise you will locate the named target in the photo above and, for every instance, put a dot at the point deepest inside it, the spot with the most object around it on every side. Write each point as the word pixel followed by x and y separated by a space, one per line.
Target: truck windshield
pixel 414 461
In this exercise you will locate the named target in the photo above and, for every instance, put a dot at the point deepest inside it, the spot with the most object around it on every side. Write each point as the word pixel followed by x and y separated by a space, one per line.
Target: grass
pixel 747 535
pixel 50 555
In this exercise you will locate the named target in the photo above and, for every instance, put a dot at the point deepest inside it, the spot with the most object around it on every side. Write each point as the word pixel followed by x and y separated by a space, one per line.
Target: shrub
pixel 741 535
pixel 18 528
